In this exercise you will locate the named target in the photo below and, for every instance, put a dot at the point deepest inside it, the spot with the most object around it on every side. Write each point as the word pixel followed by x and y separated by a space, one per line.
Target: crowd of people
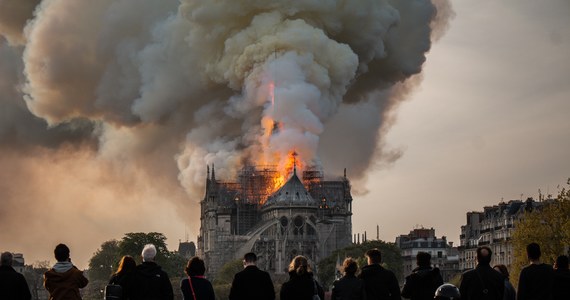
pixel 148 281
pixel 537 280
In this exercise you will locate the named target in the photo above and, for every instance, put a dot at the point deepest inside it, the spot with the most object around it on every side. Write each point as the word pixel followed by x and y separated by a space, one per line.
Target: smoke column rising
pixel 105 107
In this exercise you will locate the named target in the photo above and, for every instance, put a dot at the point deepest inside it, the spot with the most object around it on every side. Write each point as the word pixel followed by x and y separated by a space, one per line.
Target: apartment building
pixel 493 227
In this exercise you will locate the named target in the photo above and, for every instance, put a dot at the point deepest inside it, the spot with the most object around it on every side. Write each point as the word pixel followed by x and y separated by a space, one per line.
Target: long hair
pixel 503 270
pixel 126 264
pixel 299 265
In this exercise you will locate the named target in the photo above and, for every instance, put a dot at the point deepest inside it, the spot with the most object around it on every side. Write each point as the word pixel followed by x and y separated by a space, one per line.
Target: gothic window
pixel 299 224
pixel 298 221
pixel 283 222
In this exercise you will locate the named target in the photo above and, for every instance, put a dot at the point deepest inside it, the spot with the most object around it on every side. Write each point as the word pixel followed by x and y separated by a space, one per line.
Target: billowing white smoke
pixel 170 86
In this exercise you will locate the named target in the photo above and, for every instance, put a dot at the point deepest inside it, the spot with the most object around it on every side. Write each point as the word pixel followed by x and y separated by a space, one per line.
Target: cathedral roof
pixel 292 193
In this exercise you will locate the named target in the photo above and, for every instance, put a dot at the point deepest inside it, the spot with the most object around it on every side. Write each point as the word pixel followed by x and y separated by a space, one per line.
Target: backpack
pixel 113 292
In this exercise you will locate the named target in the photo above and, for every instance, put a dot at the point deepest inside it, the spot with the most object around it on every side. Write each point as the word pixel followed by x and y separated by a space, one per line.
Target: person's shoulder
pixel 163 273
pixel 411 277
pixel 468 273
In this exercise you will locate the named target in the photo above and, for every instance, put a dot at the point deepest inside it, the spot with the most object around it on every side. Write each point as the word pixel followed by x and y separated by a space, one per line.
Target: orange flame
pixel 285 162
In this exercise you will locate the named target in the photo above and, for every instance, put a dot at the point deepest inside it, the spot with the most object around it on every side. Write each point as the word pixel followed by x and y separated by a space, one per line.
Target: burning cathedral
pixel 277 218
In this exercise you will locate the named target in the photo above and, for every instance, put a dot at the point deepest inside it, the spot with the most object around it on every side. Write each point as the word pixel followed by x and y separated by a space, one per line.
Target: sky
pixel 489 122
pixel 105 143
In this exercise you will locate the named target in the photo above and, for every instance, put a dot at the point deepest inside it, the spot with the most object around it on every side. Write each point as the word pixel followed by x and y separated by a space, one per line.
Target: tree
pixel 133 243
pixel 391 259
pixel 104 261
pixel 548 226
pixel 34 275
pixel 227 271
pixel 223 281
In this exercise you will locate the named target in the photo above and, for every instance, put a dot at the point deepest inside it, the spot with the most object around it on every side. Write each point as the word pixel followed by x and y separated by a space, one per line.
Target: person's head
pixel 447 291
pixel 502 269
pixel 374 256
pixel 484 254
pixel 61 253
pixel 195 267
pixel 349 266
pixel 126 264
pixel 249 259
pixel 533 251
pixel 561 263
pixel 148 252
pixel 423 259
pixel 6 259
pixel 299 265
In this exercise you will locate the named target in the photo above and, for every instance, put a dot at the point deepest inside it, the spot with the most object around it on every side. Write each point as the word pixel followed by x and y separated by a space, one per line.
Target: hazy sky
pixel 489 122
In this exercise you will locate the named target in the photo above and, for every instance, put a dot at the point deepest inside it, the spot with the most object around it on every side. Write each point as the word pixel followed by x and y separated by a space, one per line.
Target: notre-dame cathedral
pixel 307 216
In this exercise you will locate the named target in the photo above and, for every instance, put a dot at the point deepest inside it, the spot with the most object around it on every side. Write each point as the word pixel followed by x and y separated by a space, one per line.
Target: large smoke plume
pixel 110 111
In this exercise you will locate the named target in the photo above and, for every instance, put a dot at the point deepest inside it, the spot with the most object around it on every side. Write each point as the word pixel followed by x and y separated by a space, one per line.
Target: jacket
pixel 300 287
pixel 152 283
pixel 561 285
pixel 348 288
pixel 13 285
pixel 535 282
pixel 202 289
pixel 510 293
pixel 253 284
pixel 482 283
pixel 379 283
pixel 127 280
pixel 422 283
pixel 64 285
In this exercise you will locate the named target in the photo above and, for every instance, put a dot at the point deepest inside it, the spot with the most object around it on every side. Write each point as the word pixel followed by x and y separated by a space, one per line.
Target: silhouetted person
pixel 126 277
pixel 301 285
pixel 482 282
pixel 379 283
pixel 152 283
pixel 196 286
pixel 424 280
pixel 561 283
pixel 252 283
pixel 535 281
pixel 13 285
pixel 510 293
pixel 349 287
pixel 64 280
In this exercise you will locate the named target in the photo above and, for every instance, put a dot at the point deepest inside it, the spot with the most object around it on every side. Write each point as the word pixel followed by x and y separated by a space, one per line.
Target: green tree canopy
pixel 106 259
pixel 391 259
pixel 548 226
pixel 133 243
pixel 227 271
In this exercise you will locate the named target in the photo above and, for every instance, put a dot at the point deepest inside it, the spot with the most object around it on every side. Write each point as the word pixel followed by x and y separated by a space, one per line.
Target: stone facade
pixel 492 227
pixel 310 217
pixel 443 254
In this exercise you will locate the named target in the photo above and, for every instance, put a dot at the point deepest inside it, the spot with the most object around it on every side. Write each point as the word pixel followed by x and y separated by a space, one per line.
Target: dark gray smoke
pixel 113 104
